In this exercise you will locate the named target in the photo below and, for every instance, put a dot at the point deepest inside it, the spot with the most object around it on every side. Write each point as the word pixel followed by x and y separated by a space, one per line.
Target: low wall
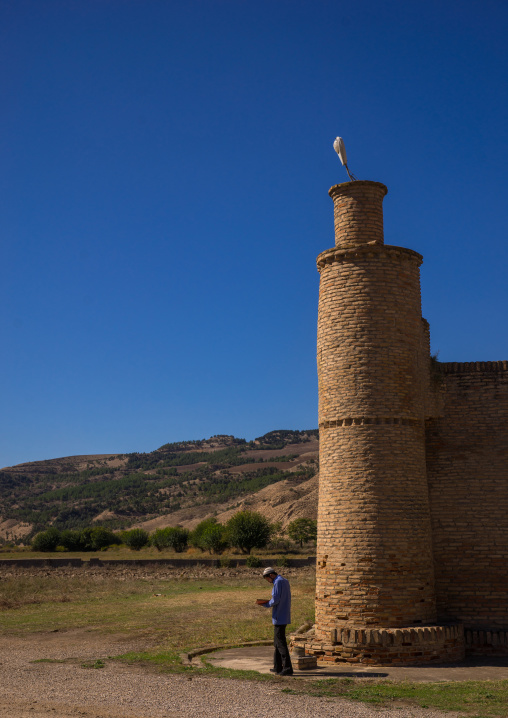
pixel 387 646
pixel 486 643
pixel 171 562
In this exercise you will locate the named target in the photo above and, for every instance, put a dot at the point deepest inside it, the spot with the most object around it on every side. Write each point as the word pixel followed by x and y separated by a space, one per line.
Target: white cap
pixel 268 571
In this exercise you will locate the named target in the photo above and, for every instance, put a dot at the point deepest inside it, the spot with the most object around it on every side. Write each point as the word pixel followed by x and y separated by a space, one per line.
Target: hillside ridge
pixel 178 483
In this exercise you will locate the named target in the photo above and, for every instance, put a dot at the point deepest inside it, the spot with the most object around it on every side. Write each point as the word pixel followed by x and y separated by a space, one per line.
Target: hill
pixel 181 483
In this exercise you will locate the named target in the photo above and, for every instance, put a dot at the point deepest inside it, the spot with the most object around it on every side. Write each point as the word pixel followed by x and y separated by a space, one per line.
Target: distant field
pixel 170 614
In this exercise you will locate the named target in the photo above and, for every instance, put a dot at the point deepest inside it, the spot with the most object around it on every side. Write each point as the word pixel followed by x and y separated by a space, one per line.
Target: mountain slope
pixel 177 483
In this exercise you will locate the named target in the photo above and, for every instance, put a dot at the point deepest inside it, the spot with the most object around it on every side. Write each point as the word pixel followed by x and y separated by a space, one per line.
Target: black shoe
pixel 286 672
pixel 274 670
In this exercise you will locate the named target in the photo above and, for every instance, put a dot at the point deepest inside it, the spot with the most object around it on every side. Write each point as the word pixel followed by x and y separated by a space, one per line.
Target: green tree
pixel 159 539
pixel 94 538
pixel 178 538
pixel 46 540
pixel 71 540
pixel 102 537
pixel 303 530
pixel 196 535
pixel 247 530
pixel 135 539
pixel 174 537
pixel 214 538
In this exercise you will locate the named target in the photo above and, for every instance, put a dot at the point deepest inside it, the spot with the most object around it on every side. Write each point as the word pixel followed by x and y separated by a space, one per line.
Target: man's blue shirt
pixel 280 602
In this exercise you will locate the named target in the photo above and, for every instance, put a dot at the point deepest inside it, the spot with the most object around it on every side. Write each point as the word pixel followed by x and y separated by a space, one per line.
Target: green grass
pixel 98 663
pixel 187 614
pixel 476 698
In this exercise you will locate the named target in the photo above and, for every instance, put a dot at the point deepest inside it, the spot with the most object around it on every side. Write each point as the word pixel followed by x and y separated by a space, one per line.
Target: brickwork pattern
pixel 358 212
pixel 467 467
pixel 374 563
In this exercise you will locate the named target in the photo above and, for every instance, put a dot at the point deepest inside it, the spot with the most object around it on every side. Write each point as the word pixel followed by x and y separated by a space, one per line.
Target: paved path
pixel 261 659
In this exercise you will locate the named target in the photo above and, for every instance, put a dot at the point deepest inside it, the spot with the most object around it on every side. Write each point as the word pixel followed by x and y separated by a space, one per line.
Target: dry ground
pixel 61 629
pixel 119 690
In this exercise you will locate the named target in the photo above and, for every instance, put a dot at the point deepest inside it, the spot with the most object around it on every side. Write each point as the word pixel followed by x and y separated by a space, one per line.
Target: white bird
pixel 340 149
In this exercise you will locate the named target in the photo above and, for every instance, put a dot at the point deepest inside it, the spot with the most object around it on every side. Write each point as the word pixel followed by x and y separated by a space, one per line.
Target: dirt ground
pixel 43 676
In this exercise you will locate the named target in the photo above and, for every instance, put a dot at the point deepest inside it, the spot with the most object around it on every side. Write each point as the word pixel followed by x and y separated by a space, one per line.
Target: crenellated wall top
pixel 470 367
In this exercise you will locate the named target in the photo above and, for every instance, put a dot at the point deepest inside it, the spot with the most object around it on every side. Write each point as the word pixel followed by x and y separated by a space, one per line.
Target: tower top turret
pixel 358 212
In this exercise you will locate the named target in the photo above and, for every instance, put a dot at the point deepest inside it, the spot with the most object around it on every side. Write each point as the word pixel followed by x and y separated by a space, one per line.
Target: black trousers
pixel 281 657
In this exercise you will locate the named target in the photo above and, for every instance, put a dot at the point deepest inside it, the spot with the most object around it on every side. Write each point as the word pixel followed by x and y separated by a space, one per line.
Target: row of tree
pixel 245 531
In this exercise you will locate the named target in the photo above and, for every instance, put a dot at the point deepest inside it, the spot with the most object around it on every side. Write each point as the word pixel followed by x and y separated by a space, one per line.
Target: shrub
pixel 283 562
pixel 95 538
pixel 71 540
pixel 214 538
pixel 46 540
pixel 85 537
pixel 196 536
pixel 102 538
pixel 225 562
pixel 303 530
pixel 253 562
pixel 177 538
pixel 135 539
pixel 159 539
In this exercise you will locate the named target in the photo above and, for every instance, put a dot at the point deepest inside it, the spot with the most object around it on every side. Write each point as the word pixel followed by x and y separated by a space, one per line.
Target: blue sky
pixel 163 197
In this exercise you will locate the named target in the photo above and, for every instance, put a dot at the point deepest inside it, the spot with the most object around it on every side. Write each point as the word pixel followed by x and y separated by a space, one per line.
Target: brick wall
pixel 413 490
pixel 467 466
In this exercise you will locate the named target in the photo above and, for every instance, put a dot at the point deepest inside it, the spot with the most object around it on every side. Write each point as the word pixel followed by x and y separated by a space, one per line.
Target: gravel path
pixel 66 690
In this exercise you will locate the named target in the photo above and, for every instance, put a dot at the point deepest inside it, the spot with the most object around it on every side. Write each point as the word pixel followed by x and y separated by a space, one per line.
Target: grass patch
pixel 166 661
pixel 99 663
pixel 482 699
pixel 184 615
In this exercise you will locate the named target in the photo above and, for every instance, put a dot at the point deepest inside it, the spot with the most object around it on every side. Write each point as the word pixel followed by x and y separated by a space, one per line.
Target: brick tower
pixel 375 599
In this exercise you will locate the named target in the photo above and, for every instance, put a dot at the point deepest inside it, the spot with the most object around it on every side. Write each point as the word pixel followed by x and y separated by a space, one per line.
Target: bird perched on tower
pixel 340 149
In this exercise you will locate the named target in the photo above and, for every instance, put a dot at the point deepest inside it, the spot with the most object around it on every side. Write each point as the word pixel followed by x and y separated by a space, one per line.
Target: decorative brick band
pixel 387 646
pixel 486 642
pixel 395 636
pixel 471 366
pixel 369 248
pixel 363 420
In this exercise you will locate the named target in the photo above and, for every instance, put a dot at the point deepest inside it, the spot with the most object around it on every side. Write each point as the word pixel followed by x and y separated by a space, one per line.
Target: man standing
pixel 280 603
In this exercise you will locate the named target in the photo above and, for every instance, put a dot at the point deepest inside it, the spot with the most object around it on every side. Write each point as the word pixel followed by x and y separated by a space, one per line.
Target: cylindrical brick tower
pixel 375 597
